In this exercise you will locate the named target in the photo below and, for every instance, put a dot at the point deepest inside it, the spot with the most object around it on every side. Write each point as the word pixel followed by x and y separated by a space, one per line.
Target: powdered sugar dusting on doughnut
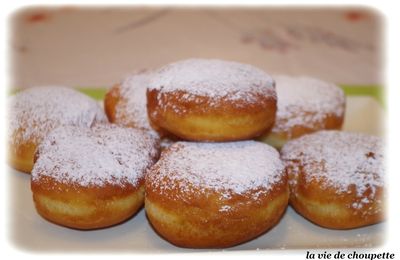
pixel 229 168
pixel 342 159
pixel 133 108
pixel 306 101
pixel 104 154
pixel 215 79
pixel 36 111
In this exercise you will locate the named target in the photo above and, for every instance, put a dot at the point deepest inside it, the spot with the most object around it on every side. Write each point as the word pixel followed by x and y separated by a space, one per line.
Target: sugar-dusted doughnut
pixel 305 105
pixel 211 100
pixel 336 178
pixel 215 195
pixel 125 104
pixel 34 112
pixel 91 178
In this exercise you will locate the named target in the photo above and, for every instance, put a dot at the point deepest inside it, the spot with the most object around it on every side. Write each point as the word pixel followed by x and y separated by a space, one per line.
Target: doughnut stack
pixel 214 187
pixel 205 189
pixel 196 142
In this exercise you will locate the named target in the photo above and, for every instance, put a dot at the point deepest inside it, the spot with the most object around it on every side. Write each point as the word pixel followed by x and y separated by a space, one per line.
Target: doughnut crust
pixel 305 105
pixel 86 207
pixel 111 99
pixel 336 178
pixel 91 178
pixel 195 200
pixel 34 112
pixel 125 104
pixel 211 100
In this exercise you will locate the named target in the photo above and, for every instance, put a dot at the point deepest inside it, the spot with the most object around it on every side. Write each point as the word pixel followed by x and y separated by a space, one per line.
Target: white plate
pixel 29 231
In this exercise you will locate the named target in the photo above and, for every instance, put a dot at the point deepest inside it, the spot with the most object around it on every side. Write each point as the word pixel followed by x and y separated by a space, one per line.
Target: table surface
pixel 92 47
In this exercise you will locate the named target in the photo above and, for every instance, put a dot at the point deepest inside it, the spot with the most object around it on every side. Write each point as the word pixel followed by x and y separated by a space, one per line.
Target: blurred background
pixel 97 47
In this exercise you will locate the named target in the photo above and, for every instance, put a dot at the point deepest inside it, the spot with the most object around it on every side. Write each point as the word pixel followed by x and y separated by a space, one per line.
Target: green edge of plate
pixel 375 91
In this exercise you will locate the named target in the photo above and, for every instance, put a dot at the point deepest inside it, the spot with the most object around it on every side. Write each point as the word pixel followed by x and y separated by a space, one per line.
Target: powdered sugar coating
pixel 34 112
pixel 131 110
pixel 215 79
pixel 304 101
pixel 133 107
pixel 341 160
pixel 103 154
pixel 228 168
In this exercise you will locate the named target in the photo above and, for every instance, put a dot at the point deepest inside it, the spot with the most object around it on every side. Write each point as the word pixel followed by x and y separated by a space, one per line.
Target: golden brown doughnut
pixel 91 178
pixel 215 195
pixel 305 105
pixel 125 105
pixel 34 112
pixel 211 100
pixel 336 178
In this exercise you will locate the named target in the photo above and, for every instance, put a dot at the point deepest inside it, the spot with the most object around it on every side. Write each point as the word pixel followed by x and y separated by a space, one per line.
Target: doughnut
pixel 211 100
pixel 336 178
pixel 125 104
pixel 34 112
pixel 88 178
pixel 305 105
pixel 215 195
